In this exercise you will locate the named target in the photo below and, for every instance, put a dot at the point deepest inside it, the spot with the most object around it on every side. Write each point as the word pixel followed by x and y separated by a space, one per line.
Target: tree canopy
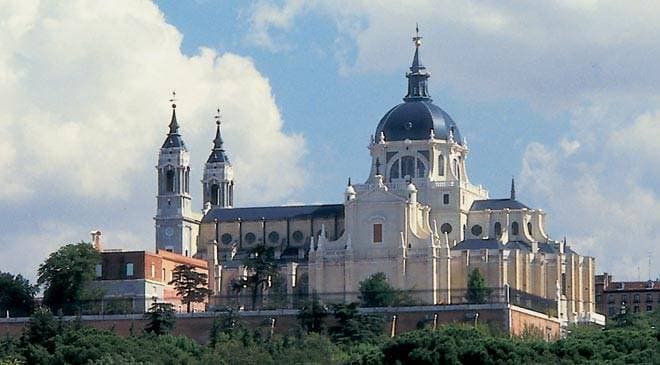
pixel 160 319
pixel 190 285
pixel 66 274
pixel 16 295
pixel 261 268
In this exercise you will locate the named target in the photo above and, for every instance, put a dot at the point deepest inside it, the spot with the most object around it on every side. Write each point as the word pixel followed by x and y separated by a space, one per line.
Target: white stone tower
pixel 218 179
pixel 176 225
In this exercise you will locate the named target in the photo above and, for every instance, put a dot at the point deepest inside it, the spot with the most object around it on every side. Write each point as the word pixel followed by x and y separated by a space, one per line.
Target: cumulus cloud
pixel 605 194
pixel 84 89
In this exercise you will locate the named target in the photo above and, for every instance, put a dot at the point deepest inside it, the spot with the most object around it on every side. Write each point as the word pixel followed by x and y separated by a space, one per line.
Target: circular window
pixel 225 238
pixel 297 236
pixel 250 237
pixel 445 228
pixel 273 237
pixel 476 230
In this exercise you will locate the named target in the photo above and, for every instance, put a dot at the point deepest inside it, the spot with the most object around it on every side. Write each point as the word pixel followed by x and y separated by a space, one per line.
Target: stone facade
pixel 417 218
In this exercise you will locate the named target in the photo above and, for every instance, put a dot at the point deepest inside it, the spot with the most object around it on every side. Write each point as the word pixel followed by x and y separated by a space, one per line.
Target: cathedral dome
pixel 414 120
pixel 417 115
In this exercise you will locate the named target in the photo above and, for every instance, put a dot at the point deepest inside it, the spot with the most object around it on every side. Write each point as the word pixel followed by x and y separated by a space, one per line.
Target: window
pixel 378 233
pixel 394 170
pixel 610 299
pixel 563 283
pixel 446 228
pixel 649 298
pixel 441 165
pixel 273 237
pixel 515 229
pixel 476 230
pixel 636 298
pixel 297 236
pixel 250 237
pixel 407 166
pixel 421 170
pixel 649 308
pixel 498 229
pixel 163 277
pixel 225 238
pixel 529 228
pixel 187 180
pixel 153 271
pixel 624 298
pixel 636 309
pixel 99 270
pixel 611 311
pixel 445 199
pixel 214 194
pixel 169 181
pixel 129 269
pixel 598 298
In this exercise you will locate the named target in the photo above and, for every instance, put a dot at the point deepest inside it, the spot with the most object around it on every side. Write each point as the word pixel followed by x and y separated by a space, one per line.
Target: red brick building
pixel 613 297
pixel 131 281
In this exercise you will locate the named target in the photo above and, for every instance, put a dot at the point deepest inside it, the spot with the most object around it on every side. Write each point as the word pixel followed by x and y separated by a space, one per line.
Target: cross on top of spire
pixel 417 39
pixel 217 116
pixel 173 100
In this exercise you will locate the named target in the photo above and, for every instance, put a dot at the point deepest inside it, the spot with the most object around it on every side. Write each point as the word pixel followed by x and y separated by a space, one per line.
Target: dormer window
pixel 515 229
pixel 498 230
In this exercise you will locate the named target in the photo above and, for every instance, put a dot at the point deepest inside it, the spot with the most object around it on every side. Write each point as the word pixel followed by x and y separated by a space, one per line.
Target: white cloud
pixel 83 93
pixel 601 194
pixel 85 99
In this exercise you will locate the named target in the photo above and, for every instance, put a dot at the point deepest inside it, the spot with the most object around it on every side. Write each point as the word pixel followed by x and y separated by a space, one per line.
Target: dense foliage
pixel 261 268
pixel 47 340
pixel 190 285
pixel 160 319
pixel 16 295
pixel 66 274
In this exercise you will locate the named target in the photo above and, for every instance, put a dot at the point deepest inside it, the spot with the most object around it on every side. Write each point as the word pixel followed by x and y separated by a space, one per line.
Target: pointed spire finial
pixel 349 181
pixel 417 77
pixel 513 188
pixel 174 124
pixel 417 39
pixel 217 141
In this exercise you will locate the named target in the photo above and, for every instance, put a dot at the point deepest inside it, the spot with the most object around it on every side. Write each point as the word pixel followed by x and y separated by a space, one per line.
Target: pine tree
pixel 190 285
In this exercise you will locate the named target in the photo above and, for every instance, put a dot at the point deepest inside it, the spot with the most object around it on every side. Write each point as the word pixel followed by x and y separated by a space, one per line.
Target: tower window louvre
pixel 169 181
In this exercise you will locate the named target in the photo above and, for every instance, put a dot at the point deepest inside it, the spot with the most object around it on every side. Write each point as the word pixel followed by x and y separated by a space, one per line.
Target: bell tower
pixel 176 225
pixel 218 180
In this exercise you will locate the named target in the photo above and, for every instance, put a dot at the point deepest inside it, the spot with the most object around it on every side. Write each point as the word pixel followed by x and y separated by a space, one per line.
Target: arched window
pixel 498 229
pixel 455 167
pixel 214 194
pixel 529 228
pixel 441 165
pixel 407 166
pixel 169 181
pixel 187 180
pixel 515 229
pixel 394 170
pixel 421 170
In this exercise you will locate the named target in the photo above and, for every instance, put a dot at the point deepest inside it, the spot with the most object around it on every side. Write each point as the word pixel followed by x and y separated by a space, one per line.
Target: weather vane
pixel 217 117
pixel 173 99
pixel 417 39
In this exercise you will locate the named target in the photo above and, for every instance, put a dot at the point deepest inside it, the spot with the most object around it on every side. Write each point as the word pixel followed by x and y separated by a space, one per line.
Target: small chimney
pixel 96 240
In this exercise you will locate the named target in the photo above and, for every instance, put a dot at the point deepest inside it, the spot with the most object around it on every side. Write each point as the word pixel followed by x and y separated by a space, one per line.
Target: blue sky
pixel 562 95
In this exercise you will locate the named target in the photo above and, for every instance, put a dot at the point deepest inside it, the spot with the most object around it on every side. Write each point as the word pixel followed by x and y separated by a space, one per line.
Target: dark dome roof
pixel 414 119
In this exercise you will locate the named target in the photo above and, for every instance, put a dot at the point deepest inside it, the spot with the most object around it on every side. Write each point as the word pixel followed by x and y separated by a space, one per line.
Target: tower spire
pixel 174 125
pixel 218 153
pixel 513 189
pixel 417 77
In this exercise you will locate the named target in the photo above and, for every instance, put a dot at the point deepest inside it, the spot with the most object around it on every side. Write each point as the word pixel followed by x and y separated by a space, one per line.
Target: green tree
pixel 42 329
pixel 261 267
pixel 312 315
pixel 16 295
pixel 66 274
pixel 160 318
pixel 353 327
pixel 477 292
pixel 190 285
pixel 375 291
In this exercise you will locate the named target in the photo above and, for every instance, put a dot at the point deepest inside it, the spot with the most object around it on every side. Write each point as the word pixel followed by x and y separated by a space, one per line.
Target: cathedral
pixel 417 218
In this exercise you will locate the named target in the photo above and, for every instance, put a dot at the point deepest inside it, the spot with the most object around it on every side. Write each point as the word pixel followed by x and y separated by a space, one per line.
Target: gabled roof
pixel 497 204
pixel 274 213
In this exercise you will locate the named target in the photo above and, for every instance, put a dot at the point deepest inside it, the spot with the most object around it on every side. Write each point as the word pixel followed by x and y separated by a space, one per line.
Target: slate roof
pixel 497 204
pixel 478 244
pixel 274 213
